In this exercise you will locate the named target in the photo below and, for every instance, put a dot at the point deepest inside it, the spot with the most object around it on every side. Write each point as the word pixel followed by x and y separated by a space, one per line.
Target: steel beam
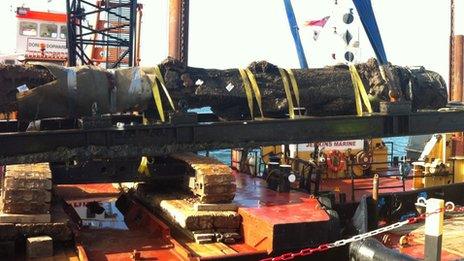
pixel 138 140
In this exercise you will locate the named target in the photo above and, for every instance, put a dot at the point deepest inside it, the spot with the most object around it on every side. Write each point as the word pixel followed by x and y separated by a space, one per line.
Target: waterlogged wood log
pixel 323 91
pixel 12 77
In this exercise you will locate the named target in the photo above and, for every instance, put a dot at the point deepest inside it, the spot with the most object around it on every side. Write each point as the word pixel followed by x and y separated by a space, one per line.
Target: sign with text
pixel 51 46
pixel 333 145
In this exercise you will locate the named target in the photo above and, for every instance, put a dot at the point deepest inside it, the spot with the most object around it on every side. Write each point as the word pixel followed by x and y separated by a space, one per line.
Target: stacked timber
pixel 211 180
pixel 26 193
pixel 204 223
pixel 26 209
pixel 206 214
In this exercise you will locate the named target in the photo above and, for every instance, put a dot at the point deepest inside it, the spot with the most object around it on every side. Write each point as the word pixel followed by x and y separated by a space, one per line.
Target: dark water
pixel 399 145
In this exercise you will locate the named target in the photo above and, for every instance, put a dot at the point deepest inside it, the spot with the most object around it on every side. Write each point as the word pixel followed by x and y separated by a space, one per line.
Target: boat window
pixel 48 30
pixel 63 31
pixel 28 28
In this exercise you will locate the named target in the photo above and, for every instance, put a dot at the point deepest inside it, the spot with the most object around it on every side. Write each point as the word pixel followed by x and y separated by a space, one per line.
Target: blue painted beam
pixel 296 34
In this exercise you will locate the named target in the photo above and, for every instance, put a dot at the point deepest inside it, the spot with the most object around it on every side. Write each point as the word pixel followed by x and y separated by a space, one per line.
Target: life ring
pixel 364 159
pixel 336 161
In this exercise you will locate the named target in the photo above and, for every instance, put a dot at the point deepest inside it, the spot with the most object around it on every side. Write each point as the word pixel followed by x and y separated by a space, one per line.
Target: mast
pixel 452 87
pixel 178 29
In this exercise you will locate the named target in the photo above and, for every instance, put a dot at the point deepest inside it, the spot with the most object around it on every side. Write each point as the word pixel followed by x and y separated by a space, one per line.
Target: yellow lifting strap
pixel 247 86
pixel 157 98
pixel 156 93
pixel 296 90
pixel 285 81
pixel 360 93
pixel 143 167
pixel 254 86
pixel 163 85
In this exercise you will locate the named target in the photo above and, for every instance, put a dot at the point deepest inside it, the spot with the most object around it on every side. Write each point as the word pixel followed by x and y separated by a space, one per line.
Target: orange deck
pixel 260 207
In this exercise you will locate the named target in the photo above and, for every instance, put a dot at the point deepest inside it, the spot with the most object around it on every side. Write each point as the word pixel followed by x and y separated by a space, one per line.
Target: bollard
pixel 375 188
pixel 434 229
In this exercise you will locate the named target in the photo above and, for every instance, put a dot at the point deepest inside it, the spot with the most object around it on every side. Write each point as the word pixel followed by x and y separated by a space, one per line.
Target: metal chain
pixel 342 242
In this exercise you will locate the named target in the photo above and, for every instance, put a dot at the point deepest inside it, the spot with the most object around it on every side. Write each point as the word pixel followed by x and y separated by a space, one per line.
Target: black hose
pixel 371 249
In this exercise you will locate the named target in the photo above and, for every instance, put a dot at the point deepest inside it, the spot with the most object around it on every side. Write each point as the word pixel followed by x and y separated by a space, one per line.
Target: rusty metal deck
pixel 452 244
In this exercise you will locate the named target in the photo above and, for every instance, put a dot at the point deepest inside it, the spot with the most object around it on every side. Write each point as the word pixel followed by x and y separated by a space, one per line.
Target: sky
pixel 234 33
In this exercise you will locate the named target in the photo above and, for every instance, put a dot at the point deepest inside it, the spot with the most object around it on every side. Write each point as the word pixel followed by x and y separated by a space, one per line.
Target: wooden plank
pixel 24 218
pixel 39 170
pixel 182 212
pixel 211 249
pixel 215 207
pixel 57 226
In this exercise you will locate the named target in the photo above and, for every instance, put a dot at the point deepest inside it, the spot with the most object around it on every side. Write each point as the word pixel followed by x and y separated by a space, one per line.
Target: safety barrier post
pixel 434 229
pixel 375 188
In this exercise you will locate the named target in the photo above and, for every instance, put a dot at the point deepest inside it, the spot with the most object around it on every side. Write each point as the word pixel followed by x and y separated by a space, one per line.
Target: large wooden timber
pixel 179 209
pixel 26 195
pixel 26 208
pixel 323 91
pixel 12 77
pixel 59 227
pixel 210 179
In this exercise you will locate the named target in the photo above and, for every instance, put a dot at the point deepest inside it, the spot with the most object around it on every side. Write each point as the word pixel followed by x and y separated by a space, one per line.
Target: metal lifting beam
pixel 138 140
